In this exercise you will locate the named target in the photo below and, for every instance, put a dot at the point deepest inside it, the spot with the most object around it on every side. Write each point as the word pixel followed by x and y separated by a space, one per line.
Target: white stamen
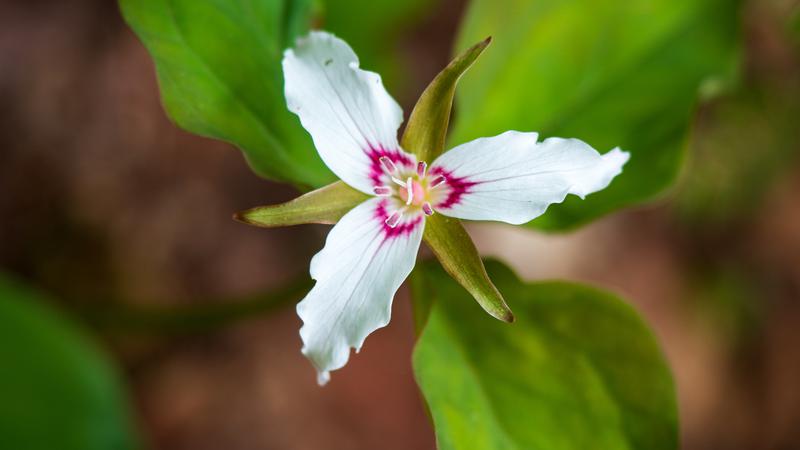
pixel 427 209
pixel 410 191
pixel 399 181
pixel 382 191
pixel 421 168
pixel 394 218
pixel 388 165
pixel 438 181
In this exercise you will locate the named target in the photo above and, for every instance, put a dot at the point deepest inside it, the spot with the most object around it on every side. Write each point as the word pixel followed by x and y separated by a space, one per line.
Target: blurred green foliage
pixel 744 142
pixel 737 154
pixel 612 73
pixel 578 369
pixel 728 300
pixel 57 390
pixel 219 69
pixel 374 28
pixel 794 26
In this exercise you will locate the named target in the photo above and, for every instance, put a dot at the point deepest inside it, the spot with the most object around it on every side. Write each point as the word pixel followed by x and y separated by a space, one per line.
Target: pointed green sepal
pixel 325 205
pixel 427 127
pixel 451 244
pixel 425 136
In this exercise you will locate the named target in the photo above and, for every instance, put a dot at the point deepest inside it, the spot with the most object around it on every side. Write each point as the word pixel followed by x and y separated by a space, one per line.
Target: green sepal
pixel 425 136
pixel 325 205
pixel 451 244
pixel 427 126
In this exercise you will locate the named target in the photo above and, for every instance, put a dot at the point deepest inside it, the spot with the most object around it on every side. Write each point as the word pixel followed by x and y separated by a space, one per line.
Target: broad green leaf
pixel 609 72
pixel 325 205
pixel 577 370
pixel 58 391
pixel 427 126
pixel 451 244
pixel 219 69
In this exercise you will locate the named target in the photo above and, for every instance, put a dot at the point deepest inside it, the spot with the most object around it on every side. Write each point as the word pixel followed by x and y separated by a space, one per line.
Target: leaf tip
pixel 480 46
pixel 504 314
pixel 242 216
pixel 496 306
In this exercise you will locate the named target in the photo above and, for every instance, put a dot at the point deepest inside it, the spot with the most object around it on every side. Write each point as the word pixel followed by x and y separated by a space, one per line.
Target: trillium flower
pixel 353 121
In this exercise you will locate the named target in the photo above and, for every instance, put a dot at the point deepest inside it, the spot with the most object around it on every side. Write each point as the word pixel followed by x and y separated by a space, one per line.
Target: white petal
pixel 512 178
pixel 362 265
pixel 350 116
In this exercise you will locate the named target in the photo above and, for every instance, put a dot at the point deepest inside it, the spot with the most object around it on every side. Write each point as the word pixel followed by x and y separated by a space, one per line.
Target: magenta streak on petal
pixel 402 229
pixel 457 187
pixel 398 157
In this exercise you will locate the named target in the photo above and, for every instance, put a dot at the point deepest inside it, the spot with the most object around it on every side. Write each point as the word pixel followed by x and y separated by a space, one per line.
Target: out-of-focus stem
pixel 212 314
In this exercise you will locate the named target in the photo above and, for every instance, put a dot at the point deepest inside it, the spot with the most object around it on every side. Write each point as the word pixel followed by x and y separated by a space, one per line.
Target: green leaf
pixel 609 72
pixel 325 205
pixel 427 127
pixel 219 68
pixel 451 244
pixel 58 391
pixel 577 370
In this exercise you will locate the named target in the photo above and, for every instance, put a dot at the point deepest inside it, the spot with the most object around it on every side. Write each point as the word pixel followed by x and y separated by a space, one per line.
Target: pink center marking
pixel 400 228
pixel 377 171
pixel 457 187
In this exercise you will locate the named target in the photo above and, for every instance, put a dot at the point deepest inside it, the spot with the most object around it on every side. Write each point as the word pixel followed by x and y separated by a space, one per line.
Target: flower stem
pixel 211 314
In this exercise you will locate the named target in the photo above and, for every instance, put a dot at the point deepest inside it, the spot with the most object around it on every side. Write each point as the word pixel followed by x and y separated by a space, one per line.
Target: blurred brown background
pixel 104 202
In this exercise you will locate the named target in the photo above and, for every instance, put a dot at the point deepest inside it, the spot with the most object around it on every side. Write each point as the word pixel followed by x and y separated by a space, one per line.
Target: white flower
pixel 372 249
